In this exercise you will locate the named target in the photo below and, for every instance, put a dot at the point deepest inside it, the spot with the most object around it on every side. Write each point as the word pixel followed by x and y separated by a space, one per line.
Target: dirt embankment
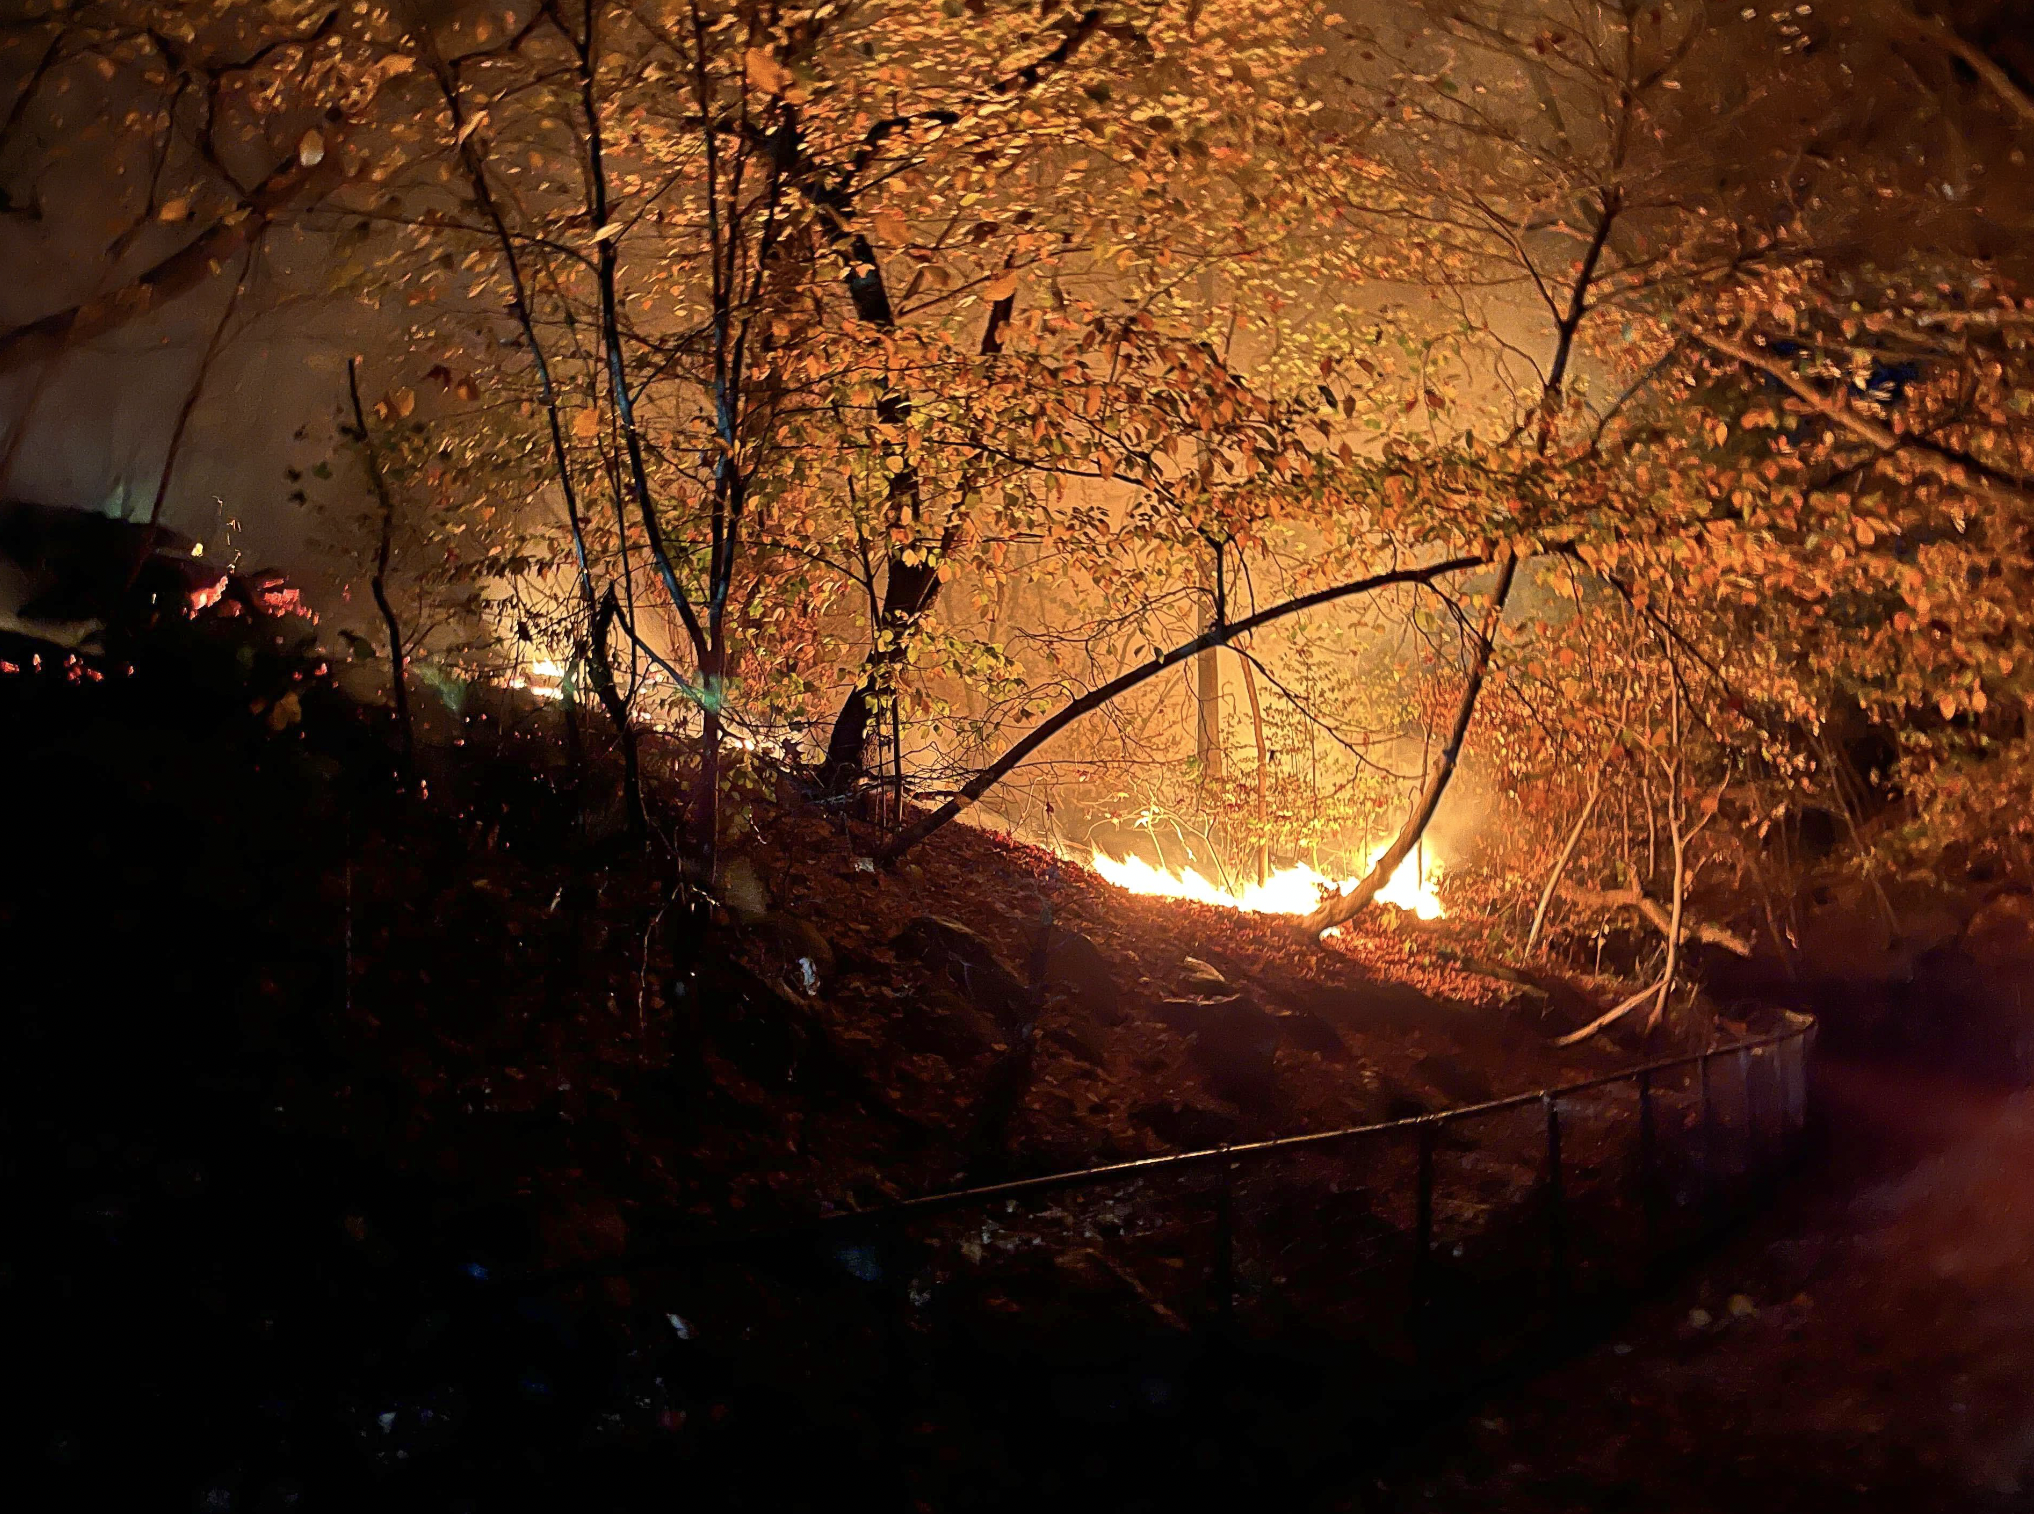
pixel 1863 1347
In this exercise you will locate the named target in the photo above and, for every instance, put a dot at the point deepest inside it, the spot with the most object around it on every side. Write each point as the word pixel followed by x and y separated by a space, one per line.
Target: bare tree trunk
pixel 1680 847
pixel 379 583
pixel 1257 730
pixel 1348 906
pixel 909 588
pixel 1561 861
pixel 191 398
pixel 598 612
pixel 1208 684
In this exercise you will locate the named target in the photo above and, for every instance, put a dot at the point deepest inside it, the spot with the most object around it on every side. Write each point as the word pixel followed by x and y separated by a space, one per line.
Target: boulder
pixel 1309 1032
pixel 1187 1125
pixel 795 951
pixel 1075 963
pixel 971 964
pixel 1234 1042
pixel 1462 1084
pixel 947 1026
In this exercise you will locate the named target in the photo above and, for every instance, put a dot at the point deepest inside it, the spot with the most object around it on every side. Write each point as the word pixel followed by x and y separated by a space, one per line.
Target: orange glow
pixel 1294 890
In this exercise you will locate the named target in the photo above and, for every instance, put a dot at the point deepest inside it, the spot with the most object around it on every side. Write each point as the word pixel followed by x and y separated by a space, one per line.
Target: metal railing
pixel 1426 1248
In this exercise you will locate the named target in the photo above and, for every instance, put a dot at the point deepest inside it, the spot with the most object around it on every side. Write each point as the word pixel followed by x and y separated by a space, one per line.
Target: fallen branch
pixel 1656 915
pixel 1611 1016
pixel 1094 699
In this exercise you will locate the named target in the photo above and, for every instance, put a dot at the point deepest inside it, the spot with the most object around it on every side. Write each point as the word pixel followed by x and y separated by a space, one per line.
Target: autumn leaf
pixel 311 148
pixel 175 210
pixel 1002 287
pixel 765 72
pixel 585 425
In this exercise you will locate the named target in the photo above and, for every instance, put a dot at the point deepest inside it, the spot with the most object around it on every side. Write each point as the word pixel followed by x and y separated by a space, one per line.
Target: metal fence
pixel 1381 1263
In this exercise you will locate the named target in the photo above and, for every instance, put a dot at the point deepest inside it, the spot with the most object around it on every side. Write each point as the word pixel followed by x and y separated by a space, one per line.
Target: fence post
pixel 1710 1186
pixel 1803 1045
pixel 1751 1120
pixel 1423 1221
pixel 1225 1251
pixel 1648 1142
pixel 1557 1237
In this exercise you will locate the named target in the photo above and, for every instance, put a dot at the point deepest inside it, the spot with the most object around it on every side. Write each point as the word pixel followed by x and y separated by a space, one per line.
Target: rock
pixel 1187 1125
pixel 1462 1085
pixel 742 891
pixel 796 952
pixel 972 966
pixel 1309 1032
pixel 1076 1045
pixel 1075 963
pixel 764 1032
pixel 2001 933
pixel 947 1026
pixel 1234 1040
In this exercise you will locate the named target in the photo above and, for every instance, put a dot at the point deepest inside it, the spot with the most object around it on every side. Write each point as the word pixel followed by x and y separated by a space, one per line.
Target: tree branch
pixel 1094 699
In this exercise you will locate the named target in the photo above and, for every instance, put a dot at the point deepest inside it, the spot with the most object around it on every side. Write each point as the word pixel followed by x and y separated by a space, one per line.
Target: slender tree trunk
pixel 909 588
pixel 632 782
pixel 196 391
pixel 1562 860
pixel 706 791
pixel 596 611
pixel 1680 847
pixel 379 583
pixel 1346 907
pixel 1208 686
pixel 1263 757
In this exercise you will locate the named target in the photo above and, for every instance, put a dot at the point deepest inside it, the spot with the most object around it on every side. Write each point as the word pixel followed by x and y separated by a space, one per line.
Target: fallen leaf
pixel 311 148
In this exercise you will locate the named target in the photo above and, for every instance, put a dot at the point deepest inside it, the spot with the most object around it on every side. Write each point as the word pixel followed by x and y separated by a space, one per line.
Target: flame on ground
pixel 1294 890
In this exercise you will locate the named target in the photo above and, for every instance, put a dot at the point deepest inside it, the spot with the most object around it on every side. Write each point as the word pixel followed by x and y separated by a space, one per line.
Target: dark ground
pixel 303 1083
pixel 1867 1344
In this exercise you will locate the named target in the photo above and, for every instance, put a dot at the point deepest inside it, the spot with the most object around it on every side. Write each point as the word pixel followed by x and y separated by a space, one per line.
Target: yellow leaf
pixel 404 401
pixel 175 210
pixel 1001 287
pixel 311 148
pixel 765 72
pixel 585 425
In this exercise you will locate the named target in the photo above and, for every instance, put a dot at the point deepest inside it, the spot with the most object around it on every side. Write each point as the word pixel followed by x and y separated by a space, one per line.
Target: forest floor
pixel 309 1091
pixel 1863 1346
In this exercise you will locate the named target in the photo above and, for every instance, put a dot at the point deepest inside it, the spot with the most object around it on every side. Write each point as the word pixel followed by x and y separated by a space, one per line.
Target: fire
pixel 1294 890
pixel 544 678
